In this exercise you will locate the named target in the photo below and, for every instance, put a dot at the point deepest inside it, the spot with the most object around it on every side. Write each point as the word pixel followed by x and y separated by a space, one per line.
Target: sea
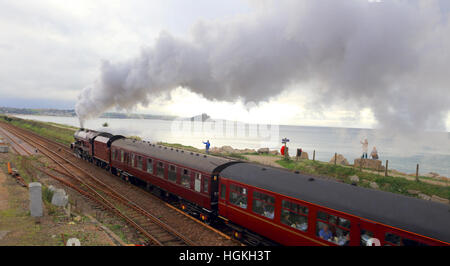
pixel 431 150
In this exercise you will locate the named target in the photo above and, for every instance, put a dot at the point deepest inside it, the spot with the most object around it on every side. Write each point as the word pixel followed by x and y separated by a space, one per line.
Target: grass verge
pixel 60 133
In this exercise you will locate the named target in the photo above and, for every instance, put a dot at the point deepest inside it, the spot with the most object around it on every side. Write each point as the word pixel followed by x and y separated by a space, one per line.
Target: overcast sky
pixel 51 50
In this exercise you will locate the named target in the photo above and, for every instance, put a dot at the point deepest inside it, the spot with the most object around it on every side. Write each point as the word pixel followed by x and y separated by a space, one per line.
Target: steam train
pixel 264 205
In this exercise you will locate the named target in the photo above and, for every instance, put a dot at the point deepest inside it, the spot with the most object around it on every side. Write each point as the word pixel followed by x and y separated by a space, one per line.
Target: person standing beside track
pixel 207 146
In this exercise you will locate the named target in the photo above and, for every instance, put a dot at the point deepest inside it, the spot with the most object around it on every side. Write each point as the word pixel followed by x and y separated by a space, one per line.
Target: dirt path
pixel 266 160
pixel 3 192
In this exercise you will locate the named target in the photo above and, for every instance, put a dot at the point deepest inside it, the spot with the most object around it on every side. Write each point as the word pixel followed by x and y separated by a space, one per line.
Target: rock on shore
pixel 304 155
pixel 369 163
pixel 339 160
pixel 264 150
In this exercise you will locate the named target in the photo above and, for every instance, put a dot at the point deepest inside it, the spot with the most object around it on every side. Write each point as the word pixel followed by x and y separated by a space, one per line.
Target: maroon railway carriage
pixel 264 205
pixel 293 209
pixel 185 174
pixel 102 149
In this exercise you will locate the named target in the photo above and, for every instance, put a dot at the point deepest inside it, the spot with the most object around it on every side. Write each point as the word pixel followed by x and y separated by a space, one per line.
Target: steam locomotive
pixel 264 205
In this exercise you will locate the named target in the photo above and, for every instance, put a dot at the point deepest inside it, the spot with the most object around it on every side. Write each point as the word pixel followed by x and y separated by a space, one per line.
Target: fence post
pixel 335 158
pixel 417 173
pixel 386 170
pixel 314 155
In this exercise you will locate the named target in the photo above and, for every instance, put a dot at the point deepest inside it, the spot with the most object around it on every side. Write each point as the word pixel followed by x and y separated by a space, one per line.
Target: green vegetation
pixel 60 133
pixel 47 194
pixel 20 163
pixel 386 183
pixel 8 213
pixel 105 124
pixel 118 230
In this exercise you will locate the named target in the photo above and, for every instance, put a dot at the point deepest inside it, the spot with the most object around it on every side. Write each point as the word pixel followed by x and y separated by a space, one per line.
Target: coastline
pixel 429 187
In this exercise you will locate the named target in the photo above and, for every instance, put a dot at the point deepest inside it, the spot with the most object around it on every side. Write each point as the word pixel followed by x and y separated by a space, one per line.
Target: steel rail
pixel 152 196
pixel 18 144
pixel 106 203
pixel 65 148
pixel 111 193
pixel 109 207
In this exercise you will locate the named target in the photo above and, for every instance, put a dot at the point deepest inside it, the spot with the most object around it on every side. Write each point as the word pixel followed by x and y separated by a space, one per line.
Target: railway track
pixel 17 147
pixel 109 197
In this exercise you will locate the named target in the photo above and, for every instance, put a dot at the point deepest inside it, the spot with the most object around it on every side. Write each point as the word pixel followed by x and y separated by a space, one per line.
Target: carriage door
pixel 214 192
pixel 223 198
pixel 198 182
pixel 368 233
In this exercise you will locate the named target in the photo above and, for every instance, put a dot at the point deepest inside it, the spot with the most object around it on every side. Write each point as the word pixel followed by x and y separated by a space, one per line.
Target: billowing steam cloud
pixel 393 57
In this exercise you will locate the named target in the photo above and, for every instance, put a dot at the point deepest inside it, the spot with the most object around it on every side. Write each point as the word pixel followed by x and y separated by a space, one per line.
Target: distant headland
pixel 71 113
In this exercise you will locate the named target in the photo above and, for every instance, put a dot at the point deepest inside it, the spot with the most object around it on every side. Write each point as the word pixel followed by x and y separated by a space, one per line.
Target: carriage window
pixel 172 173
pixel 197 181
pixel 392 239
pixel 150 166
pixel 332 228
pixel 294 215
pixel 132 159
pixel 365 236
pixel 238 196
pixel 395 240
pixel 205 185
pixel 139 162
pixel 263 204
pixel 127 158
pixel 186 178
pixel 160 169
pixel 113 154
pixel 121 156
pixel 223 191
pixel 409 242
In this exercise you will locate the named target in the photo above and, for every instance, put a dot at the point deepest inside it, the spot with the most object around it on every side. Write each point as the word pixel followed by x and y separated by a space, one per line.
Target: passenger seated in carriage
pixel 269 213
pixel 325 233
